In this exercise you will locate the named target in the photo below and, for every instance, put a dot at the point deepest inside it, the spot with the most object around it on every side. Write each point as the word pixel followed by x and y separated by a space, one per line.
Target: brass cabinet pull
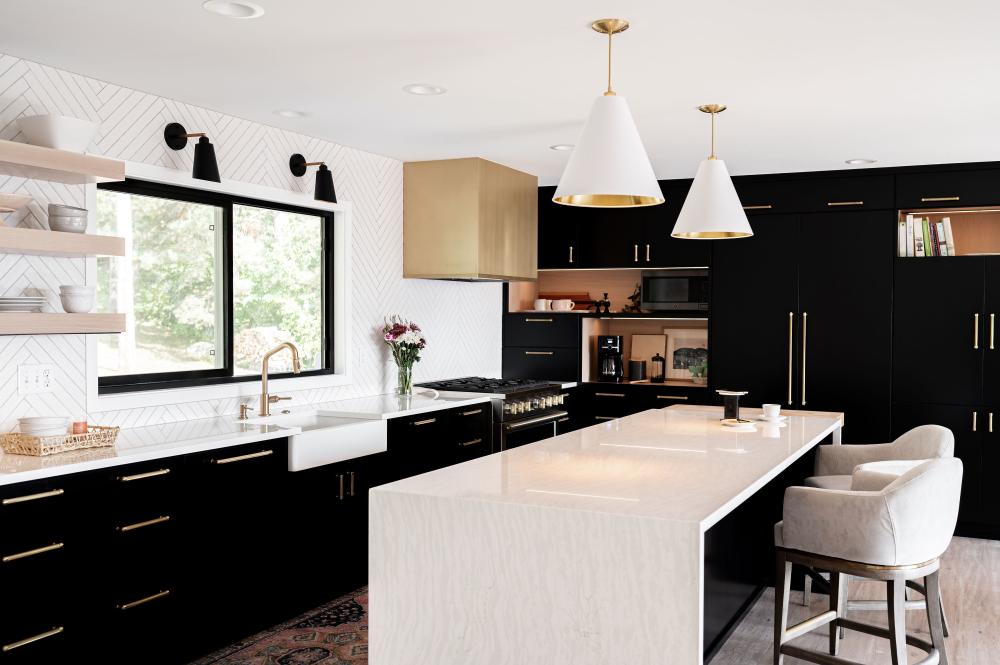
pixel 562 420
pixel 143 601
pixel 929 199
pixel 647 253
pixel 475 412
pixel 33 497
pixel 34 552
pixel 243 458
pixel 138 525
pixel 470 443
pixel 34 638
pixel 844 203
pixel 975 420
pixel 417 423
pixel 571 253
pixel 340 486
pixel 143 476
pixel 635 253
pixel 805 326
pixel 975 331
pixel 791 327
pixel 351 491
pixel 762 207
pixel 993 327
pixel 538 353
pixel 609 394
pixel 538 320
pixel 989 422
pixel 605 417
pixel 671 397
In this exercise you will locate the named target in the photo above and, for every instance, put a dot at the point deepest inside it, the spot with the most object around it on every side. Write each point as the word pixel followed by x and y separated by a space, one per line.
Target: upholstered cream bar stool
pixel 893 534
pixel 836 464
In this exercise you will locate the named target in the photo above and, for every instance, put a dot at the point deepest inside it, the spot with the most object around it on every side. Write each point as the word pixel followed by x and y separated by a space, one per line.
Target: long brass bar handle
pixel 975 421
pixel 143 601
pixel 417 423
pixel 33 497
pixel 609 394
pixel 975 331
pixel 34 552
pixel 763 207
pixel 351 490
pixel 538 353
pixel 243 458
pixel 138 525
pixel 538 320
pixel 340 487
pixel 930 199
pixel 635 253
pixel 989 422
pixel 143 476
pixel 671 397
pixel 474 412
pixel 647 253
pixel 844 203
pixel 34 638
pixel 466 444
pixel 993 328
pixel 791 342
pixel 571 253
pixel 805 330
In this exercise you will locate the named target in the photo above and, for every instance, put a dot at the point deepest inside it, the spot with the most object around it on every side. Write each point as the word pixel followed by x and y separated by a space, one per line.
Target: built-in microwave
pixel 681 290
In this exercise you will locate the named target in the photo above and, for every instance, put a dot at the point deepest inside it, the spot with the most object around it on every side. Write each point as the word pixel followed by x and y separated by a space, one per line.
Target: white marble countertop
pixel 677 463
pixel 139 444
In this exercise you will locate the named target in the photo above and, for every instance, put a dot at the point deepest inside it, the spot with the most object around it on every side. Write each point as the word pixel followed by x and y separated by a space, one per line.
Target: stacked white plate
pixel 43 425
pixel 22 303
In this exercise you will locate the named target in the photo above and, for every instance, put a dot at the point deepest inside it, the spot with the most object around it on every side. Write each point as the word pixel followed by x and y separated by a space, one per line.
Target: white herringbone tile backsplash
pixel 462 320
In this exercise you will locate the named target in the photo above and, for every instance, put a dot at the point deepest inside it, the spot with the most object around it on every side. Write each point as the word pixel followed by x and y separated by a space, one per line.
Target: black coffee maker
pixel 610 366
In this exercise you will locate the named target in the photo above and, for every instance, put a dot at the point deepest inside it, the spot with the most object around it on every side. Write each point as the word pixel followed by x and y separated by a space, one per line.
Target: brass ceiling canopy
pixel 610 26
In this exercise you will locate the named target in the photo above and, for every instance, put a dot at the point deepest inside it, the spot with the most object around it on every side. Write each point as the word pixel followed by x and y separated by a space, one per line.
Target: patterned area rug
pixel 334 634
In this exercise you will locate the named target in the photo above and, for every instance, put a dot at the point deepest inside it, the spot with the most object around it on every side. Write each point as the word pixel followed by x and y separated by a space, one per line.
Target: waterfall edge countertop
pixel 140 444
pixel 588 546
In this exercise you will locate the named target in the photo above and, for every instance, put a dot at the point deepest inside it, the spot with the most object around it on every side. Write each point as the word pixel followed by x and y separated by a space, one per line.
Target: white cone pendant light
pixel 712 209
pixel 609 167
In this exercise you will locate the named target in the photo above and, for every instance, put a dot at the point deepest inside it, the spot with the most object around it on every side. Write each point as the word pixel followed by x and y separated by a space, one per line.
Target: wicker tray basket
pixel 16 443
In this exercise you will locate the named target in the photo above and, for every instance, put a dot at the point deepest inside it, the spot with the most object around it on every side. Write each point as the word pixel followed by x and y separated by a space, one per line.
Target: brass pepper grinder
pixel 731 404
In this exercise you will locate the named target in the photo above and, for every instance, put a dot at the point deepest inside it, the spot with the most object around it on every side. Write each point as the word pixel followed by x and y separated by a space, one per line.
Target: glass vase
pixel 404 380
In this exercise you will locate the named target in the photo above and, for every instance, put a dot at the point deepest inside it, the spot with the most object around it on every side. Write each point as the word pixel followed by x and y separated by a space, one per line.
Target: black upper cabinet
pixel 938 345
pixel 532 329
pixel 768 196
pixel 948 189
pixel 754 300
pixel 558 233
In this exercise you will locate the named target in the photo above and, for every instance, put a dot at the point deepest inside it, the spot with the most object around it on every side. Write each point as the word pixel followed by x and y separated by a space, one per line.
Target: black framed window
pixel 212 282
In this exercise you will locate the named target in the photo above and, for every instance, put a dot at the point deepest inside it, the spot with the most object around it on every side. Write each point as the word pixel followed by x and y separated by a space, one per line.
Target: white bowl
pixel 52 431
pixel 68 224
pixel 77 303
pixel 44 421
pixel 58 131
pixel 76 289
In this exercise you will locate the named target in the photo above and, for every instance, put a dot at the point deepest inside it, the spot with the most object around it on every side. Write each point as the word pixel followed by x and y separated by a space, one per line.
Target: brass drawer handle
pixel 975 331
pixel 139 525
pixel 538 320
pixel 471 443
pixel 562 420
pixel 647 253
pixel 989 423
pixel 609 394
pixel 671 397
pixel 243 458
pixel 143 476
pixel 538 353
pixel 844 203
pixel 993 329
pixel 34 638
pixel 975 421
pixel 143 601
pixel 931 199
pixel 34 552
pixel 476 412
pixel 605 417
pixel 761 207
pixel 571 253
pixel 424 422
pixel 32 497
pixel 635 253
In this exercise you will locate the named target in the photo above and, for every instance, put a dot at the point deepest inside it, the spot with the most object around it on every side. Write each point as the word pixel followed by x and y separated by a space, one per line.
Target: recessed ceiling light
pixel 562 147
pixel 859 160
pixel 290 113
pixel 233 8
pixel 424 89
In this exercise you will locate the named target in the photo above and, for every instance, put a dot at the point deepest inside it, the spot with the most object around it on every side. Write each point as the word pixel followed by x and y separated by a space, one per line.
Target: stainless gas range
pixel 524 410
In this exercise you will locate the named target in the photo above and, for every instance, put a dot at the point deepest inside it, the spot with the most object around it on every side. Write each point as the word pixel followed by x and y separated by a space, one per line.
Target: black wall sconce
pixel 205 166
pixel 324 177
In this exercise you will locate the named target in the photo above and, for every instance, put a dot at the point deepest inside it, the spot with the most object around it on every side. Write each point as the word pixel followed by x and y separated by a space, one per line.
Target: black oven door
pixel 522 432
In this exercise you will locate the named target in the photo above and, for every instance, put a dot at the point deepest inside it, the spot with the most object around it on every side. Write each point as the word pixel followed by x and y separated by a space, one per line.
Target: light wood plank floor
pixel 970 586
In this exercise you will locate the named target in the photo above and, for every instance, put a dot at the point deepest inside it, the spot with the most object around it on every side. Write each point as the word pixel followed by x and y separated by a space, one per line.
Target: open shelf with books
pixel 949 232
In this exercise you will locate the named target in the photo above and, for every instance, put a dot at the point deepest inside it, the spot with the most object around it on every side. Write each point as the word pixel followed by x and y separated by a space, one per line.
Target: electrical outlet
pixel 32 379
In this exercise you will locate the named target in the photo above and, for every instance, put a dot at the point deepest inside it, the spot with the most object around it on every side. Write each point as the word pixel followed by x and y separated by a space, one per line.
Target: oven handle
pixel 549 417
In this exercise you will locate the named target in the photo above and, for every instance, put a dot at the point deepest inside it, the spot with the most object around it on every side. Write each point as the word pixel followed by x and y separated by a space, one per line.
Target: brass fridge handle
pixel 33 497
pixel 975 421
pixel 38 550
pixel 243 458
pixel 805 330
pixel 34 638
pixel 571 253
pixel 143 476
pixel 791 342
pixel 647 252
pixel 139 525
pixel 844 203
pixel 993 327
pixel 975 331
pixel 143 601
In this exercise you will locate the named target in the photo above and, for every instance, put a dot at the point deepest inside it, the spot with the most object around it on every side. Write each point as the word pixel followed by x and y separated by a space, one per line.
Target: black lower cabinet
pixel 428 441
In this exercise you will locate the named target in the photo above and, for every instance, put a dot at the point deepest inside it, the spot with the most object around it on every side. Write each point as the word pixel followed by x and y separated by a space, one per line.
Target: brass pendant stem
pixel 713 109
pixel 712 156
pixel 609 91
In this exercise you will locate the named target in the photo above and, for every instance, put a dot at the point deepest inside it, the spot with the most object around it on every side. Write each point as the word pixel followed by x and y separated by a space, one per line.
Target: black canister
pixel 636 370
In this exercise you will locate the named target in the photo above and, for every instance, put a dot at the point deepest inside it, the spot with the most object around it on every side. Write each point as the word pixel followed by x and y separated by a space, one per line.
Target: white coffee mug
pixel 771 411
pixel 542 304
pixel 563 305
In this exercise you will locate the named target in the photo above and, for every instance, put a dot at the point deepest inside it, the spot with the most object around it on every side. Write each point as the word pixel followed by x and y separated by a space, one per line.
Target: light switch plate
pixel 32 379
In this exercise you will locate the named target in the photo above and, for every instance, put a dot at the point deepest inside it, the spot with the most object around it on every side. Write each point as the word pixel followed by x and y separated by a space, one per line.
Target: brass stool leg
pixel 935 615
pixel 896 597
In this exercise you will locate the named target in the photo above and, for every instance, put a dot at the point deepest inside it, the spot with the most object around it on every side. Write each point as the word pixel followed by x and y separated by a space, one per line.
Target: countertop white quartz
pixel 139 444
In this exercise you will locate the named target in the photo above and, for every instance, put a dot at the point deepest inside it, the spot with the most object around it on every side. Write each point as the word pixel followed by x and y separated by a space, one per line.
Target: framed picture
pixel 685 347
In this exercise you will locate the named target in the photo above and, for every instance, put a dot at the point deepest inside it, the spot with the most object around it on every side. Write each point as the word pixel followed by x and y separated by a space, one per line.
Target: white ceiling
pixel 808 83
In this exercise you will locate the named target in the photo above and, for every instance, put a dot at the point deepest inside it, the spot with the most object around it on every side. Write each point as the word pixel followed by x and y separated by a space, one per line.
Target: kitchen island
pixel 591 548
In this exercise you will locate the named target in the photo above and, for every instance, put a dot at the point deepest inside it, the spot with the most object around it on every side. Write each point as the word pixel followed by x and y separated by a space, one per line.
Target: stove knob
pixel 560 399
pixel 518 407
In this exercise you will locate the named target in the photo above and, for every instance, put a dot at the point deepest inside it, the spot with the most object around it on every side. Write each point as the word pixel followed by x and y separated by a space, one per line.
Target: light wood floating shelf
pixel 72 168
pixel 55 243
pixel 46 323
